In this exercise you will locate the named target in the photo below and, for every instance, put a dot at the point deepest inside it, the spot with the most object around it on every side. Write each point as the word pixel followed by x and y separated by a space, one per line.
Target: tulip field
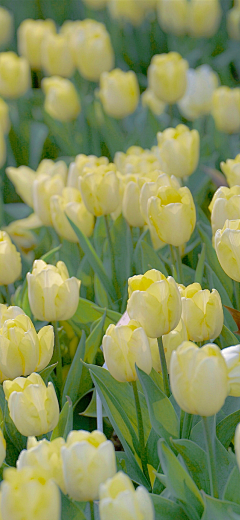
pixel 120 260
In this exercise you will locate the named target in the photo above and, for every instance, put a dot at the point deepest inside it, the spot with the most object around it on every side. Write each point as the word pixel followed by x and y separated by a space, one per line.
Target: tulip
pixel 56 57
pixel 202 312
pixel 88 460
pixel 119 499
pixel 119 93
pixel 167 76
pixel 15 78
pixel 136 160
pixel 96 4
pixel 233 23
pixel 172 214
pixel 81 162
pixel 9 313
pixel 33 407
pixel 43 189
pixel 6 26
pixel 226 109
pixel 28 494
pixel 155 302
pixel 92 49
pixel 70 204
pixel 21 234
pixel 44 455
pixel 100 191
pixel 172 16
pixel 173 339
pixel 52 294
pixel 62 101
pixel 199 378
pixel 231 168
pixel 203 18
pixel 178 150
pixel 150 189
pixel 2 448
pixel 10 260
pixel 149 100
pixel 225 205
pixel 197 100
pixel 131 200
pixel 129 10
pixel 31 34
pixel 232 358
pixel 5 122
pixel 227 245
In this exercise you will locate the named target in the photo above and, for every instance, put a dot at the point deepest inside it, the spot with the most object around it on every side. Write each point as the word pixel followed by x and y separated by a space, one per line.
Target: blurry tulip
pixel 152 102
pixel 10 260
pixel 31 34
pixel 233 23
pixel 203 18
pixel 202 312
pixel 225 205
pixel 33 407
pixel 136 160
pixel 88 460
pixel 155 302
pixel 227 245
pixel 2 448
pixel 56 56
pixel 226 109
pixel 62 101
pixel 5 122
pixel 231 168
pixel 173 339
pixel 232 358
pixel 119 93
pixel 178 150
pixel 119 499
pixel 21 234
pixel 15 77
pixel 199 378
pixel 197 100
pixel 82 161
pixel 129 10
pixel 100 191
pixel 43 189
pixel 70 204
pixel 96 4
pixel 52 294
pixel 167 76
pixel 172 16
pixel 6 26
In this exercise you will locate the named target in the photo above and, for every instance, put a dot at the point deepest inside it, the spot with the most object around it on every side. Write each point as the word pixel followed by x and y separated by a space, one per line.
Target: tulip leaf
pixel 232 489
pixel 226 428
pixel 18 440
pixel 94 341
pixel 65 423
pixel 195 459
pixel 228 338
pixel 166 509
pixel 179 482
pixel 46 372
pixel 94 261
pixel 72 387
pixel 200 265
pixel 220 509
pixel 214 282
pixel 163 417
pixel 51 253
pixel 71 510
pixel 87 312
pixel 100 293
pixel 91 410
pixel 123 252
pixel 150 259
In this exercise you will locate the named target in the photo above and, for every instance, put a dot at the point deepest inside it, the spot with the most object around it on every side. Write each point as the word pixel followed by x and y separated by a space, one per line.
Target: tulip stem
pixel 164 368
pixel 91 510
pixel 143 454
pixel 114 274
pixel 57 348
pixel 237 294
pixel 187 425
pixel 210 445
pixel 179 265
pixel 8 295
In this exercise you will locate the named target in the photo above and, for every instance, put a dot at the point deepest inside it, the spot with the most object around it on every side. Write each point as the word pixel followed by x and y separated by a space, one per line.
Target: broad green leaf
pixel 200 265
pixel 150 259
pixel 91 410
pixel 72 387
pixel 162 414
pixel 167 509
pixel 18 440
pixel 51 253
pixel 232 488
pixel 100 293
pixel 228 338
pixel 94 341
pixel 71 510
pixel 88 312
pixel 215 283
pixel 46 372
pixel 219 509
pixel 226 428
pixel 38 135
pixel 65 423
pixel 195 459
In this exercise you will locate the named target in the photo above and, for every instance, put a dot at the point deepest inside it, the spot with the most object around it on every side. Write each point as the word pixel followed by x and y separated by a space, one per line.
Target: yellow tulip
pixel 33 407
pixel 92 49
pixel 9 313
pixel 131 200
pixel 225 205
pixel 155 302
pixel 96 4
pixel 199 378
pixel 232 358
pixel 129 10
pixel 119 499
pixel 6 26
pixel 237 444
pixel 43 189
pixel 88 460
pixel 52 294
pixel 172 16
pixel 173 339
pixel 202 312
pixel 15 77
pixel 56 56
pixel 5 122
pixel 70 204
pixel 167 76
pixel 136 160
pixel 21 234
pixel 203 18
pixel 81 162
pixel 150 189
pixel 100 190
pixel 151 101
pixel 172 215
pixel 226 109
pixel 227 245
pixel 197 100
pixel 10 260
pixel 29 494
pixel 2 448
pixel 62 101
pixel 119 93
pixel 231 168
pixel 178 150
pixel 44 455
pixel 31 34
pixel 233 23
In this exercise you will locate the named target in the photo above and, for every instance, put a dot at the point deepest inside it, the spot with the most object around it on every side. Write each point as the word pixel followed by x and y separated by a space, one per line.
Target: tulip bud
pixel 136 160
pixel 225 205
pixel 6 26
pixel 232 359
pixel 5 122
pixel 28 494
pixel 33 407
pixel 226 109
pixel 9 313
pixel 172 340
pixel 44 455
pixel 231 168
pixel 10 260
pixel 128 10
pixel 2 448
pixel 151 101
pixel 197 100
pixel 100 191
pixel 88 460
pixel 233 23
pixel 203 18
pixel 199 378
pixel 92 49
pixel 83 161
pixel 123 347
pixel 96 4
pixel 31 34
pixel 70 204
pixel 167 76
pixel 119 93
pixel 202 312
pixel 155 302
pixel 62 102
pixel 15 78
pixel 178 150
pixel 227 245
pixel 56 57
pixel 172 214
pixel 172 16
pixel 52 294
pixel 150 189
pixel 43 189
pixel 119 499
pixel 131 200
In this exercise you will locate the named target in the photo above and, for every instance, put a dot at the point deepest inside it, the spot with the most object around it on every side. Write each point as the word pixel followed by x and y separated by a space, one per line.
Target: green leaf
pixel 163 417
pixel 200 265
pixel 195 459
pixel 87 312
pixel 94 261
pixel 65 423
pixel 51 253
pixel 91 410
pixel 123 251
pixel 46 372
pixel 100 293
pixel 232 489
pixel 150 259
pixel 226 428
pixel 214 282
pixel 219 509
pixel 167 509
pixel 94 341
pixel 38 135
pixel 72 387
pixel 71 510
pixel 18 440
pixel 228 338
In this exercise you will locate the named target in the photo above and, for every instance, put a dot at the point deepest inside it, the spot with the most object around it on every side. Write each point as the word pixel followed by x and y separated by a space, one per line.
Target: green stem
pixel 91 510
pixel 179 265
pixel 170 111
pixel 140 430
pixel 210 441
pixel 114 274
pixel 187 425
pixel 57 348
pixel 164 368
pixel 8 295
pixel 182 415
pixel 173 260
pixel 237 294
